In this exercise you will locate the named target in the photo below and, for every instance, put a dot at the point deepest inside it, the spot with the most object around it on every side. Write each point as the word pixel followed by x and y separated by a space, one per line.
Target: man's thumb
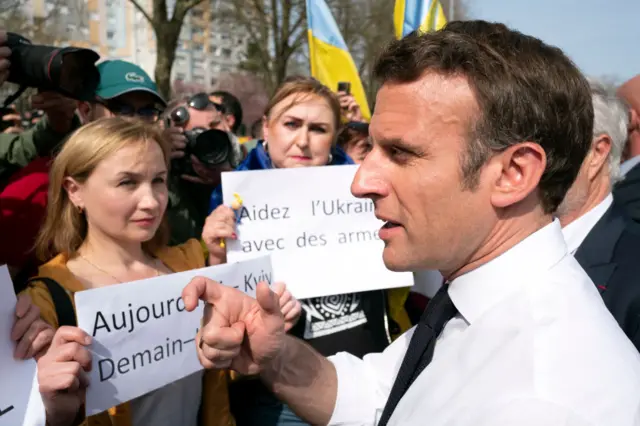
pixel 200 288
pixel 267 299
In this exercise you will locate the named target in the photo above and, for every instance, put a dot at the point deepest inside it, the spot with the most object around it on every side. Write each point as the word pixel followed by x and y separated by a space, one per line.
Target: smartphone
pixel 344 86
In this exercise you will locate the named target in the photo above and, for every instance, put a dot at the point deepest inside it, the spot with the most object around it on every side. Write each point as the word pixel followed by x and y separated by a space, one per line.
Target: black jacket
pixel 611 257
pixel 627 193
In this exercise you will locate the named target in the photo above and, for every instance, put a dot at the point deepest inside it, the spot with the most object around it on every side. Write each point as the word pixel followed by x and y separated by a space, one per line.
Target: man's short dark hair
pixel 231 106
pixel 526 90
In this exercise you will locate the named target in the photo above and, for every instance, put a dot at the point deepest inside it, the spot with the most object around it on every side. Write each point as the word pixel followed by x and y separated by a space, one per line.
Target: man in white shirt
pixel 597 229
pixel 478 133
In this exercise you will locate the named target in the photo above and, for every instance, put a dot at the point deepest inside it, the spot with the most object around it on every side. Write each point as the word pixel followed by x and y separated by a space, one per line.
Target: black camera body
pixel 212 147
pixel 70 71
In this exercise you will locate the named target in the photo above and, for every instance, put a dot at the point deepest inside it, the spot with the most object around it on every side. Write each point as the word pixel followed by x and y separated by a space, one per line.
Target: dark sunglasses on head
pixel 360 127
pixel 149 112
pixel 201 102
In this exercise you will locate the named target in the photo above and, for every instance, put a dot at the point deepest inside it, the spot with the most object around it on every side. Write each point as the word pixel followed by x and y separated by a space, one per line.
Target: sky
pixel 601 36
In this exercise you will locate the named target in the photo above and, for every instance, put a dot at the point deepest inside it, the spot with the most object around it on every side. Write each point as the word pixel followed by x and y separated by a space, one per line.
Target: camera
pixel 70 71
pixel 211 147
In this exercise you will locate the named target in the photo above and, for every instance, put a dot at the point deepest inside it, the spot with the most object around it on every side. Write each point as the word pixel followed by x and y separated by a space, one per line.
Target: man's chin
pixel 395 262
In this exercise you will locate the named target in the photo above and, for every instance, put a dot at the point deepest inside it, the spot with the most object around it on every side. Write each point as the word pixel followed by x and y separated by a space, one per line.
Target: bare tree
pixel 52 27
pixel 181 88
pixel 276 29
pixel 167 28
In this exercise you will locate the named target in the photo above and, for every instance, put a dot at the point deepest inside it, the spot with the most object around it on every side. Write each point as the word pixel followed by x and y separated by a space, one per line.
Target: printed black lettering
pixel 146 318
pixel 357 237
pixel 264 212
pixel 249 246
pixel 251 280
pixel 311 240
pixel 179 343
pixel 158 354
pixel 122 363
pixel 340 207
pixel 110 368
pixel 141 356
pixel 156 316
pixel 131 318
pixel 178 304
pixel 169 306
pixel 100 317
pixel 110 365
pixel 124 321
pixel 6 410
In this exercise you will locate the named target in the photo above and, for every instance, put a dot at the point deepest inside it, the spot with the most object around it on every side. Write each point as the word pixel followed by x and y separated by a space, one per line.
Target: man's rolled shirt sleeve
pixel 365 384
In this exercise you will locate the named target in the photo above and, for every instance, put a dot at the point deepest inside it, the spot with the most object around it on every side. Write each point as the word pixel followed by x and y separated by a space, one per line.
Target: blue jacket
pixel 258 159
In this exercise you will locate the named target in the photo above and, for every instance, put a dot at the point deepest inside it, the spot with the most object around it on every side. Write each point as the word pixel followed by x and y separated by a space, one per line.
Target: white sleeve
pixel 364 384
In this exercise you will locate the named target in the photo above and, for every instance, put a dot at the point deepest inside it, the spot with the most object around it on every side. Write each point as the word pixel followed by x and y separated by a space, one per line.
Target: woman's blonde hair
pixel 65 227
pixel 305 86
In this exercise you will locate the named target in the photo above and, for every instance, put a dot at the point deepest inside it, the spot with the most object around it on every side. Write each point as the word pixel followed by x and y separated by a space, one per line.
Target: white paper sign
pixel 324 241
pixel 20 402
pixel 143 338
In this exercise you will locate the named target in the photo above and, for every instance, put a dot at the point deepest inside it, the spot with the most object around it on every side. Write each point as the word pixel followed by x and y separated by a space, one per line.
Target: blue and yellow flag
pixel 423 15
pixel 329 55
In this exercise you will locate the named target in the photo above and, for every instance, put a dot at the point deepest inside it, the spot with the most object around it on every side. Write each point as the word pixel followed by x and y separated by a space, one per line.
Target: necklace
pixel 105 272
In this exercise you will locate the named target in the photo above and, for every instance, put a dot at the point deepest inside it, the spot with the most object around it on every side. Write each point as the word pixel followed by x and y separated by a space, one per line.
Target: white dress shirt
pixel 533 345
pixel 577 231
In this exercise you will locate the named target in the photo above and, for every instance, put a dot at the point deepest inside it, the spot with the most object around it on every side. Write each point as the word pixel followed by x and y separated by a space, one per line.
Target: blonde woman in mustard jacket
pixel 105 226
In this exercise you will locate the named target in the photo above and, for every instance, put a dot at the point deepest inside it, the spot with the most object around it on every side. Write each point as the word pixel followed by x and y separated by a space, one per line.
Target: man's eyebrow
pixel 403 145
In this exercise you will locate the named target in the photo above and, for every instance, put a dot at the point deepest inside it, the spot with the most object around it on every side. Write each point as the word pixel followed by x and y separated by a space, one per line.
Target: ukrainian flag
pixel 422 15
pixel 329 55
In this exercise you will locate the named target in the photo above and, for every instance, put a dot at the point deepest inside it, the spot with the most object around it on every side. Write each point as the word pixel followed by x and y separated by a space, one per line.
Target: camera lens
pixel 212 147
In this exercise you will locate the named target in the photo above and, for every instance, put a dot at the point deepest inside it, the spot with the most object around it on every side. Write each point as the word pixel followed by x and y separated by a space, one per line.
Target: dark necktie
pixel 420 352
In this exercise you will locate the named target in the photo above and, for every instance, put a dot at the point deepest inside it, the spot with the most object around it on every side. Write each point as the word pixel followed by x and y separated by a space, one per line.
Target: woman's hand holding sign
pixel 31 334
pixel 219 226
pixel 62 376
pixel 289 305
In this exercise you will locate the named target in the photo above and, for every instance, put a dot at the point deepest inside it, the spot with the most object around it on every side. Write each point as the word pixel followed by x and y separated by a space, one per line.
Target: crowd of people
pixel 494 163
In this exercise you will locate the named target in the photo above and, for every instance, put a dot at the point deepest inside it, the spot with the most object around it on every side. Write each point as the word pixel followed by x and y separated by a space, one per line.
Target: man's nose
pixel 370 181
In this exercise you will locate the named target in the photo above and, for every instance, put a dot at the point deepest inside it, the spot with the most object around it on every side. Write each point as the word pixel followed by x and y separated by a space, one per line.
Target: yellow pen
pixel 235 205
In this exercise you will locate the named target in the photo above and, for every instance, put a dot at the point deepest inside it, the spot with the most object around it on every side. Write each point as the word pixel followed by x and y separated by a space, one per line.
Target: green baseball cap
pixel 120 77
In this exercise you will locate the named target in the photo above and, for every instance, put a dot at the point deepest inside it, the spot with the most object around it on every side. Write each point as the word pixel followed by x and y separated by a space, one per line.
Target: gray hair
pixel 611 118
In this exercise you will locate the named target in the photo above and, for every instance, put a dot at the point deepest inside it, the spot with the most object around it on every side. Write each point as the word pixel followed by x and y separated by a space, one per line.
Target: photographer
pixel 198 159
pixel 232 114
pixel 18 150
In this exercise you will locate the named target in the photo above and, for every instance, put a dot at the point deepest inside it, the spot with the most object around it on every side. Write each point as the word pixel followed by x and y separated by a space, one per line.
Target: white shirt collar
pixel 628 165
pixel 479 290
pixel 576 232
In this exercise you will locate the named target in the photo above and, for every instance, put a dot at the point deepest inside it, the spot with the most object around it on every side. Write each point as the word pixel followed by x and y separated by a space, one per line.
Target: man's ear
pixel 231 121
pixel 74 191
pixel 598 155
pixel 84 110
pixel 518 170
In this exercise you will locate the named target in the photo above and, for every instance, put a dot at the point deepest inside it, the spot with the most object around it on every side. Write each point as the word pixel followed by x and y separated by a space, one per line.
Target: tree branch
pixel 141 10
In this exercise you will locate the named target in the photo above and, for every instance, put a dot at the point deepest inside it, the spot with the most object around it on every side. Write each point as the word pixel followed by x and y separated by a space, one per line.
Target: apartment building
pixel 117 30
